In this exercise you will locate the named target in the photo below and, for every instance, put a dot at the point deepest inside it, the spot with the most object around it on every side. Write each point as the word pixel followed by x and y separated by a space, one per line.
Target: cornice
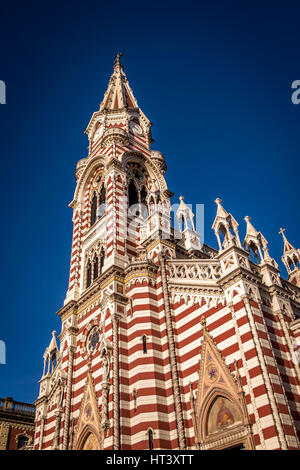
pixel 280 291
pixel 291 286
pixel 232 248
pixel 91 294
pixel 149 243
pixel 17 419
pixel 141 269
pixel 241 273
pixel 199 290
pixel 72 304
pixel 236 275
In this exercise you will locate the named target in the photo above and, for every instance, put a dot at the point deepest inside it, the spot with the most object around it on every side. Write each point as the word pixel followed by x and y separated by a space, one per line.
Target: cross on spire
pixel 287 245
pixel 281 231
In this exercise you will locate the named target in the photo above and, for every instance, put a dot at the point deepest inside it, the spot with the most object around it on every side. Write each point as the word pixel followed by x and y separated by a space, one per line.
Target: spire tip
pixel 117 59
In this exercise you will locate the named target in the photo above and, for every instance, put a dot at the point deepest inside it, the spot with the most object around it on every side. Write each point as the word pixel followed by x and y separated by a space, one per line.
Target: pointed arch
pixel 102 259
pixel 143 195
pixel 88 425
pixel 151 168
pixel 226 225
pixel 253 251
pixel 226 234
pixel 150 439
pixel 88 439
pixel 95 267
pixel 219 412
pixel 94 203
pixel 144 340
pixel 144 203
pixel 102 201
pixel 133 197
pixel 89 274
pixel 91 167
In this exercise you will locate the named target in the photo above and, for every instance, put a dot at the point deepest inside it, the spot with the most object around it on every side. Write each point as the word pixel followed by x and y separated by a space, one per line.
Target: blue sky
pixel 215 80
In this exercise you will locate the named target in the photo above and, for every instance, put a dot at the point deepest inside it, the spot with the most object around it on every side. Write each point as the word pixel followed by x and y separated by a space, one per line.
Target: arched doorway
pixel 90 442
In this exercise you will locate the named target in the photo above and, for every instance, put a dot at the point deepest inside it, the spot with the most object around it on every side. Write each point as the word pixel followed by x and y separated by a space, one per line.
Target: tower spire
pixel 286 244
pixel 256 242
pixel 226 225
pixel 291 259
pixel 119 118
pixel 118 94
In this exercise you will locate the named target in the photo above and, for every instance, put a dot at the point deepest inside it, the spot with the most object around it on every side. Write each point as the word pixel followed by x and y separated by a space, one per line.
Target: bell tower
pixel 121 179
pixel 121 204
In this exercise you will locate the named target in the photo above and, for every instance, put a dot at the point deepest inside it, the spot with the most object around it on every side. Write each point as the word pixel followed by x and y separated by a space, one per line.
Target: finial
pixel 203 322
pixel 54 333
pixel 247 218
pixel 218 201
pixel 117 60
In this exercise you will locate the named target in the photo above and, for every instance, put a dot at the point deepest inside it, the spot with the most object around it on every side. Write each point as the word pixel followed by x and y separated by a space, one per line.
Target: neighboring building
pixel 166 343
pixel 16 424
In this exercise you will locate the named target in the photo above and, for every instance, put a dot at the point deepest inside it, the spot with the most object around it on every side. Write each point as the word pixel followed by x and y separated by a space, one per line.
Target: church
pixel 165 342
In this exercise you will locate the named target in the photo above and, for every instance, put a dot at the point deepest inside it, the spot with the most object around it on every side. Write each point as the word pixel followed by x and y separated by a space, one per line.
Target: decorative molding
pixel 217 386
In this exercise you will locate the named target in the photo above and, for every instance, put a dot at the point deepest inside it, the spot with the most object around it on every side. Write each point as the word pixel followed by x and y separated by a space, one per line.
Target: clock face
pixel 98 132
pixel 136 128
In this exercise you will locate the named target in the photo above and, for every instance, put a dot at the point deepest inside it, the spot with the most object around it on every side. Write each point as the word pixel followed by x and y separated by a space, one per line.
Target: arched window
pixel 131 307
pixel 134 394
pixel 133 195
pixel 22 441
pixel 143 195
pixel 102 198
pixel 53 361
pixel 151 205
pixel 290 263
pixel 95 266
pixel 88 274
pixel 150 439
pixel 253 250
pixel 94 209
pixel 102 258
pixel 222 234
pixel 144 345
pixel 296 261
pixel 144 202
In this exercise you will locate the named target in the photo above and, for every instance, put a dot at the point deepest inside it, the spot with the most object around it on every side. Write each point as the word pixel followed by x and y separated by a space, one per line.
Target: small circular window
pixel 92 340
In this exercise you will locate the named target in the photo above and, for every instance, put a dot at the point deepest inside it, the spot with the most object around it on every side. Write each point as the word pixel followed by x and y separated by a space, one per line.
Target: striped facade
pixel 166 343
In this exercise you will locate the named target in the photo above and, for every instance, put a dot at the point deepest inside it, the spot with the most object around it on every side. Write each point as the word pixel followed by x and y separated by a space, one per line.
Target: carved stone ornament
pixel 219 411
pixel 88 435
